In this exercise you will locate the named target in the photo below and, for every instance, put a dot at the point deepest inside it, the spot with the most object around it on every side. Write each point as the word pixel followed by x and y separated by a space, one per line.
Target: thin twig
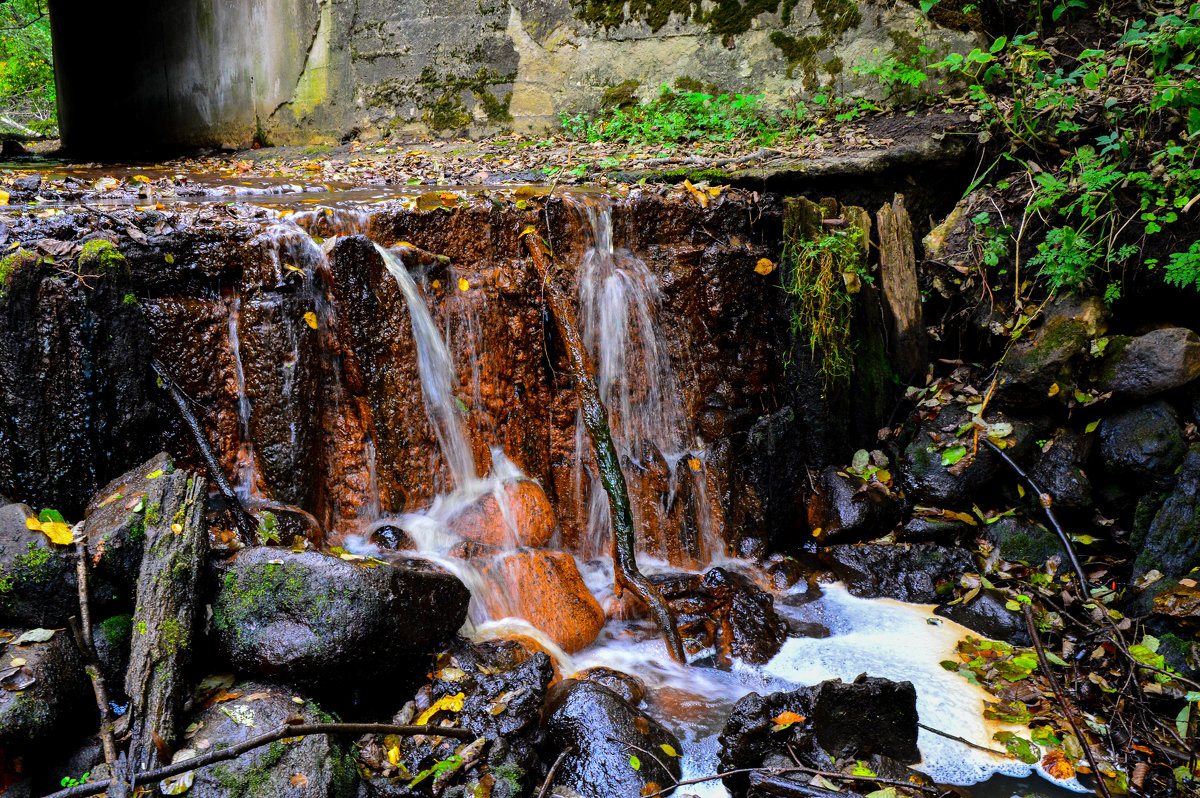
pixel 285 731
pixel 554 769
pixel 82 629
pixel 1062 700
pixel 650 754
pixel 784 771
pixel 976 746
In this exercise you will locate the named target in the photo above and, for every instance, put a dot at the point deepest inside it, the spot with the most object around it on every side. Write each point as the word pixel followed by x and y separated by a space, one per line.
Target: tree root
pixel 595 418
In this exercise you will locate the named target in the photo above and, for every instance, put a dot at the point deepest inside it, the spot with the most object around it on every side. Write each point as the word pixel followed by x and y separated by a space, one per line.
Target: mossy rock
pixel 1172 543
pixel 1022 540
pixel 37 577
pixel 101 256
pixel 11 265
pixel 51 704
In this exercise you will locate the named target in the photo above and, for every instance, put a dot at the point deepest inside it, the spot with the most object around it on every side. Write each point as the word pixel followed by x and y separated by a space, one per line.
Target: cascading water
pixel 620 300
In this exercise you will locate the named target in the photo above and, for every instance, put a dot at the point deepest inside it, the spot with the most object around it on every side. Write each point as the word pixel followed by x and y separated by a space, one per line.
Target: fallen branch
pixel 554 769
pixel 595 418
pixel 245 522
pixel 82 630
pixel 1031 627
pixel 957 739
pixel 1045 500
pixel 797 769
pixel 288 731
pixel 786 788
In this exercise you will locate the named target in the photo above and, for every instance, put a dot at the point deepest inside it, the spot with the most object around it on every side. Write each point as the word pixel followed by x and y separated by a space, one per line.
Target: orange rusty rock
pixel 482 521
pixel 544 587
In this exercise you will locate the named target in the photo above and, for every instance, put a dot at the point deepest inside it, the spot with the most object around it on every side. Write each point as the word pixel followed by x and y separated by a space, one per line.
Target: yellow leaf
pixel 57 531
pixel 310 319
pixel 450 703
pixel 1054 389
pixel 463 285
pixel 4 197
pixel 436 283
pixel 169 258
pixel 764 266
pixel 714 192
pixel 669 750
pixel 394 754
pixel 525 232
pixel 177 528
pixel 405 244
pixel 17 662
pixel 694 464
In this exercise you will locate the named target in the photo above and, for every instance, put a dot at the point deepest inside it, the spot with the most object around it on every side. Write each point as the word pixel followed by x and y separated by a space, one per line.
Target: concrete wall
pixel 197 72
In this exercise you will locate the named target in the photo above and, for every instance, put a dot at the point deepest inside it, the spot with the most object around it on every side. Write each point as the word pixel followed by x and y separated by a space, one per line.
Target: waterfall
pixel 436 368
pixel 620 301
pixel 244 480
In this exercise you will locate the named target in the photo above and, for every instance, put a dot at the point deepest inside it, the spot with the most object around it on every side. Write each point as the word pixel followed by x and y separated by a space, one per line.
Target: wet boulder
pixel 987 615
pixel 1172 543
pixel 1036 363
pixel 822 724
pixel 626 685
pixel 484 520
pixel 37 578
pixel 845 509
pixel 310 616
pixel 1020 539
pixel 1150 364
pixel 602 732
pixel 921 573
pixel 1058 470
pixel 1144 444
pixel 925 474
pixel 498 689
pixel 726 611
pixel 316 766
pixel 545 588
pixel 933 529
pixel 45 696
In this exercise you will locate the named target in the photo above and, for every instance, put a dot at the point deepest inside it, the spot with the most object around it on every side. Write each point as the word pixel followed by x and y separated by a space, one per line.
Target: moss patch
pixel 117 630
pixel 100 256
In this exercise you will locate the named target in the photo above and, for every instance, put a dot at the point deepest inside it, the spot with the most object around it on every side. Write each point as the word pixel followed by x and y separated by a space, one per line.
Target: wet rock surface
pixel 916 572
pixel 502 688
pixel 311 616
pixel 829 722
pixel 845 510
pixel 45 696
pixel 1018 538
pixel 1052 355
pixel 1143 443
pixel 530 520
pixel 604 731
pixel 1150 364
pixel 725 610
pixel 987 615
pixel 37 576
pixel 1172 543
pixel 316 766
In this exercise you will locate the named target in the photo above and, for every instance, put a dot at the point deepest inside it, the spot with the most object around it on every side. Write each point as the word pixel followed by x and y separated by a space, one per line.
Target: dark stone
pixel 988 615
pixel 1144 443
pixel 919 573
pixel 285 525
pixel 311 616
pixel 504 687
pixel 767 470
pixel 602 727
pixel 1172 543
pixel 324 760
pixel 920 529
pixel 392 538
pixel 45 698
pixel 111 638
pixel 926 481
pixel 868 717
pixel 38 586
pixel 1150 364
pixel 1059 472
pixel 845 510
pixel 29 183
pixel 725 610
pixel 629 687
pixel 1018 538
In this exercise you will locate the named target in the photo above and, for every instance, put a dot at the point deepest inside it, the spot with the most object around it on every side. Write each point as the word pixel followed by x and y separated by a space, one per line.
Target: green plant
pixel 27 94
pixel 674 117
pixel 821 274
pixel 67 781
pixel 268 528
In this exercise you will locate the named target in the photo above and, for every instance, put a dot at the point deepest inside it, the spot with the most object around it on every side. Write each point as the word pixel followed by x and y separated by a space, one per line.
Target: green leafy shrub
pixel 675 117
pixel 27 96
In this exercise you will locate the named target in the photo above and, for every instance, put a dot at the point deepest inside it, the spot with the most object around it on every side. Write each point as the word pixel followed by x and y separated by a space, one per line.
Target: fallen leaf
pixel 58 532
pixel 299 780
pixel 310 319
pixel 450 703
pixel 463 285
pixel 635 763
pixel 241 714
pixel 694 464
pixel 34 636
pixel 17 662
pixel 764 266
pixel 4 195
pixel 669 750
pixel 1058 766
pixel 785 719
